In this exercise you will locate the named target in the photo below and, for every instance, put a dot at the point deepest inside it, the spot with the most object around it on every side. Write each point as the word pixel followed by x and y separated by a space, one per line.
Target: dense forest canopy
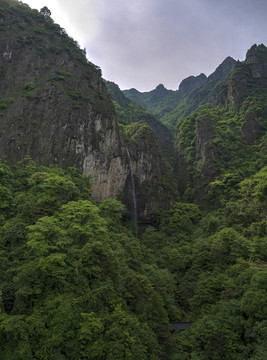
pixel 77 284
pixel 81 280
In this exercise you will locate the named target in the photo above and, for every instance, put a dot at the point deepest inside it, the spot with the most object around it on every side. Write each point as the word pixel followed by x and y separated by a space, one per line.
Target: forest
pixel 76 283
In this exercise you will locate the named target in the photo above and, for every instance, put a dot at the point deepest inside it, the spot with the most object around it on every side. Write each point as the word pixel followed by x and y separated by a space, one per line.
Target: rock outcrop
pixel 250 130
pixel 191 83
pixel 205 155
pixel 154 183
pixel 248 75
pixel 55 107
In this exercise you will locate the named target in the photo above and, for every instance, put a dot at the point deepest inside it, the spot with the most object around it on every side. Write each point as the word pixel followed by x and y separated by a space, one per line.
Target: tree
pixel 45 12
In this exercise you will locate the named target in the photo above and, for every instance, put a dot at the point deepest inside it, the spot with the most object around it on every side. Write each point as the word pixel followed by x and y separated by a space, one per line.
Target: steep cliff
pixel 191 83
pixel 218 146
pixel 248 75
pixel 155 186
pixel 54 104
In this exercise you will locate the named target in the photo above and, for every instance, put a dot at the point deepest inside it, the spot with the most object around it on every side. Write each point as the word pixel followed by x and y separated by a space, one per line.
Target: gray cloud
pixel 146 42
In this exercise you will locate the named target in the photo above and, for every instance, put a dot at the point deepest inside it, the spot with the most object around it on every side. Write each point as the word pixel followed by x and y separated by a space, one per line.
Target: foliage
pixel 72 286
pixel 76 283
pixel 171 106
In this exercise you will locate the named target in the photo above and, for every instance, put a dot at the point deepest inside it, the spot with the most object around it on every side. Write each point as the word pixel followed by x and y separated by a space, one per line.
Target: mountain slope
pixel 218 147
pixel 55 107
pixel 158 101
pixel 169 106
pixel 129 112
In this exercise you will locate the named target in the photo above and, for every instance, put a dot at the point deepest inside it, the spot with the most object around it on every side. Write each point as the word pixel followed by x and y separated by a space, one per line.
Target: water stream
pixel 133 192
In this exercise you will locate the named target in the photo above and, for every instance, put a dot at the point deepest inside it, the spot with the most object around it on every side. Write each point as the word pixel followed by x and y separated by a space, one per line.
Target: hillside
pixel 128 112
pixel 104 241
pixel 170 106
pixel 228 141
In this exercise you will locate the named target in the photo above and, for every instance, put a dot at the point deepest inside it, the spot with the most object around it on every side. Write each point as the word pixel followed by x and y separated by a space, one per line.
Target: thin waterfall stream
pixel 133 192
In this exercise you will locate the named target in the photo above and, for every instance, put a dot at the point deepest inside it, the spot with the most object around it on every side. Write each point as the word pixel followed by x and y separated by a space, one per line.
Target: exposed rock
pixel 163 134
pixel 191 83
pixel 55 107
pixel 181 171
pixel 250 130
pixel 237 89
pixel 206 156
pixel 248 75
pixel 205 161
pixel 58 112
pixel 150 173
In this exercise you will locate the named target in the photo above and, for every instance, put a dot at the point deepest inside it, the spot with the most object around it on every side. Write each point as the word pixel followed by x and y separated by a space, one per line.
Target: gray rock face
pixel 58 112
pixel 150 172
pixel 55 108
pixel 250 130
pixel 206 159
pixel 248 75
pixel 191 83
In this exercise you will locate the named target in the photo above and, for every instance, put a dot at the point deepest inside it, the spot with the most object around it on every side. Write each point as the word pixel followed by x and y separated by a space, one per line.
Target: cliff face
pixel 196 165
pixel 214 142
pixel 191 83
pixel 154 183
pixel 54 105
pixel 248 75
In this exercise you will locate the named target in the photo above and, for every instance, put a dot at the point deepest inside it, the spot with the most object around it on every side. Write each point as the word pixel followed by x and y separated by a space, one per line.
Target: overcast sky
pixel 142 43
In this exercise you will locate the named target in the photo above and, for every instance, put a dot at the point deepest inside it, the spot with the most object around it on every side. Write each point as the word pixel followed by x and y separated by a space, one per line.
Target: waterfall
pixel 133 192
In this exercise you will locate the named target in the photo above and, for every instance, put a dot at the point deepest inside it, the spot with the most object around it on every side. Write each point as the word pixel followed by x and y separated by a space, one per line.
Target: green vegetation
pixel 72 282
pixel 77 284
pixel 228 141
pixel 127 111
pixel 158 102
pixel 170 106
pixel 5 103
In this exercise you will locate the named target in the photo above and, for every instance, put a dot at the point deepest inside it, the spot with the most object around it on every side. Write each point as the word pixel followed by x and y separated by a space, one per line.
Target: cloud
pixel 143 43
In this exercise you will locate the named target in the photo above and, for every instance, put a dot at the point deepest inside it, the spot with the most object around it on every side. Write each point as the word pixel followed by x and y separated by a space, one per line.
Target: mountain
pixel 191 83
pixel 158 101
pixel 170 106
pixel 206 93
pixel 129 112
pixel 103 266
pixel 55 108
pixel 217 144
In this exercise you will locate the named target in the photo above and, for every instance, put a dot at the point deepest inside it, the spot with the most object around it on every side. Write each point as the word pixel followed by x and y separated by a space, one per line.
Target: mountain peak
pixel 191 82
pixel 160 89
pixel 257 53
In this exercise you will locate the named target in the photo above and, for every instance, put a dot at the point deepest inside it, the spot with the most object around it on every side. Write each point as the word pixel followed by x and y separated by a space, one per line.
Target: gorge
pixel 126 215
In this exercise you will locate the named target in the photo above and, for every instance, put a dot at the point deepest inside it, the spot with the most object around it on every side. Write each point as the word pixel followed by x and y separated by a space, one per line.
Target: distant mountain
pixel 128 112
pixel 169 106
pixel 159 101
pixel 191 83
pixel 206 93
